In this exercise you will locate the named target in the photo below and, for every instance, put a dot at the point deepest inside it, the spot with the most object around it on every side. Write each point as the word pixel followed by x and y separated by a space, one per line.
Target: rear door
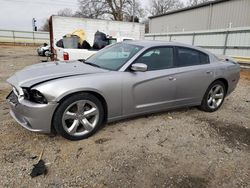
pixel 194 73
pixel 154 89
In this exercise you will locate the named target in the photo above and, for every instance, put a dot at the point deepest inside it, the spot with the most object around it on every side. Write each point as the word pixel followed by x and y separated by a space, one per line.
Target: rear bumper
pixel 32 116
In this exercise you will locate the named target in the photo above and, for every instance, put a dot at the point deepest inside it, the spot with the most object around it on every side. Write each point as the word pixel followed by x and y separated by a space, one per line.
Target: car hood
pixel 42 72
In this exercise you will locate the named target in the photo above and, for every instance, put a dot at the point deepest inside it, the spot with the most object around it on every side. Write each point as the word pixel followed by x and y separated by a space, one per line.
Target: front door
pixel 154 89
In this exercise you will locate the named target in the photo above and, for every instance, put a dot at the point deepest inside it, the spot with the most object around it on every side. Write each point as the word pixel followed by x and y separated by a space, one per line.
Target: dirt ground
pixel 180 148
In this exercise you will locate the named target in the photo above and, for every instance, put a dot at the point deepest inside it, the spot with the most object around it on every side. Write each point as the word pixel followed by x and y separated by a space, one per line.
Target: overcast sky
pixel 18 14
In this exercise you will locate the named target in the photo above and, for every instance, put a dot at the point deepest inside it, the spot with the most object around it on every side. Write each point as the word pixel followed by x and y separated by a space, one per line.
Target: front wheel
pixel 78 116
pixel 213 97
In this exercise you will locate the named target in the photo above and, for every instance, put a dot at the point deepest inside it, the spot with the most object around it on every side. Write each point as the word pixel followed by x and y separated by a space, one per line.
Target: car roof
pixel 153 43
pixel 149 43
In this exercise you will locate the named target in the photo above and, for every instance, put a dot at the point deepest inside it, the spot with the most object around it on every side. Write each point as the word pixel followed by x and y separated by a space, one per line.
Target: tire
pixel 43 53
pixel 213 100
pixel 78 116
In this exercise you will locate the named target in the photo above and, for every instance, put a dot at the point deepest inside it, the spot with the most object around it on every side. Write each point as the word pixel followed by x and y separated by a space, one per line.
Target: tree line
pixel 123 10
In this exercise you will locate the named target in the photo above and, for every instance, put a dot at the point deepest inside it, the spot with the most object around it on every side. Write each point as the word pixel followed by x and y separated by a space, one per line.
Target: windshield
pixel 114 57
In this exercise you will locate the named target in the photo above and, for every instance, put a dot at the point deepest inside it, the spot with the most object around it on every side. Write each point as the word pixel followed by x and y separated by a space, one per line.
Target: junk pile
pixel 100 40
pixel 77 40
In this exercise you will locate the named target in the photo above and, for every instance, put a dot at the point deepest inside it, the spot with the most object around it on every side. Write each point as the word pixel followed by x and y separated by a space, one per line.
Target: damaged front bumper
pixel 32 116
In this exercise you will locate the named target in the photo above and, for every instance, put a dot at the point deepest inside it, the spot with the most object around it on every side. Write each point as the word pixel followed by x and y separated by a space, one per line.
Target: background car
pixel 123 80
pixel 41 50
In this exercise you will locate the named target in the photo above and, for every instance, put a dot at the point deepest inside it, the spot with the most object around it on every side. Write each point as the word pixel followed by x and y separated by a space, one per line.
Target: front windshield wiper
pixel 92 64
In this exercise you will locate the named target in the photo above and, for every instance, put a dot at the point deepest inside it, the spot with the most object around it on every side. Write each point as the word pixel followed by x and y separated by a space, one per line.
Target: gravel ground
pixel 179 148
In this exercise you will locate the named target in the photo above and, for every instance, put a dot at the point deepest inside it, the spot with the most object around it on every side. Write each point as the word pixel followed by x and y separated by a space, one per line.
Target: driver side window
pixel 158 58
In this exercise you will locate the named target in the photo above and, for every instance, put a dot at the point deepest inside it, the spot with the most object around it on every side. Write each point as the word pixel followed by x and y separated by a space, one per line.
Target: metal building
pixel 220 14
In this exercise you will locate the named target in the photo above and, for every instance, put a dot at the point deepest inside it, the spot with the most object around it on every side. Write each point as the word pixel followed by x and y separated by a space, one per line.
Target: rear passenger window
pixel 204 59
pixel 158 58
pixel 189 57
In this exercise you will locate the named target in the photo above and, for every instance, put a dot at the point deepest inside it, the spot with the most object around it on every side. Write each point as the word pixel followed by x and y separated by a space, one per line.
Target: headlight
pixel 38 97
pixel 26 93
pixel 34 96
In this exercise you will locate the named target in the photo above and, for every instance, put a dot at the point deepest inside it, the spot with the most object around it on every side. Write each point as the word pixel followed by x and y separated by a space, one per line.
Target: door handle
pixel 171 78
pixel 209 72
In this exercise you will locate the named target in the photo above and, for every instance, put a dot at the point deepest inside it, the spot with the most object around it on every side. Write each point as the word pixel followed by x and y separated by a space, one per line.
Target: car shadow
pixel 148 115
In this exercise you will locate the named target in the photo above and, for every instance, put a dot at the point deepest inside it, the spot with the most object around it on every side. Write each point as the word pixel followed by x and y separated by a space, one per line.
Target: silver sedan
pixel 123 80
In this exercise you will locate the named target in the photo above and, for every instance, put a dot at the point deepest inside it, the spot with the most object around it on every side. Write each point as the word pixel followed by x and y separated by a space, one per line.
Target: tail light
pixel 65 56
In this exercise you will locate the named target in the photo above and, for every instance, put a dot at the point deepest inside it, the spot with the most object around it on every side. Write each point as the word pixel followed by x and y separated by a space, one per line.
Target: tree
pixel 65 12
pixel 196 2
pixel 120 10
pixel 134 8
pixel 91 8
pixel 163 6
pixel 115 9
pixel 45 26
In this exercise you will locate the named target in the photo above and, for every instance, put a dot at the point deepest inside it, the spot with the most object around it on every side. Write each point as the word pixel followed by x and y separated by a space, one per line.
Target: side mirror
pixel 82 60
pixel 139 67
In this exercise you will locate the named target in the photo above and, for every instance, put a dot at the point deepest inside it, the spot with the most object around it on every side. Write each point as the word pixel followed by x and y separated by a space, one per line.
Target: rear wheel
pixel 213 97
pixel 78 116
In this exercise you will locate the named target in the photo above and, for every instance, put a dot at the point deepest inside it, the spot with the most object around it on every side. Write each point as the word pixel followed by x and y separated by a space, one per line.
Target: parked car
pixel 41 50
pixel 122 80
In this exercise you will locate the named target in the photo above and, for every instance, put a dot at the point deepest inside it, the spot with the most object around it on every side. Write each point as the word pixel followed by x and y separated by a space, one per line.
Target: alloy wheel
pixel 80 118
pixel 215 96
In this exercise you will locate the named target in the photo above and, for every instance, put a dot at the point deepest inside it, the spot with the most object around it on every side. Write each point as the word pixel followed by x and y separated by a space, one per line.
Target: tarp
pixel 100 40
pixel 81 34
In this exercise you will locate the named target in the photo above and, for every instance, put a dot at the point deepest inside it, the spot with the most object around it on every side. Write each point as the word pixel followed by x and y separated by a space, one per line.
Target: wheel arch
pixel 224 81
pixel 203 105
pixel 96 94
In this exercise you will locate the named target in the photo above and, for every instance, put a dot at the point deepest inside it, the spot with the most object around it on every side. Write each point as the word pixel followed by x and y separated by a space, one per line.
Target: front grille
pixel 12 98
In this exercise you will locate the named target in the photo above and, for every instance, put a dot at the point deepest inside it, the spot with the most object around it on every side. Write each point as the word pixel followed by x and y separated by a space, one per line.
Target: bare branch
pixel 163 6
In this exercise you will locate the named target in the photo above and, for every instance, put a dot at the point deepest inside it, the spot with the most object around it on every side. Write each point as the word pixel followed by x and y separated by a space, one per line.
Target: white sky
pixel 18 14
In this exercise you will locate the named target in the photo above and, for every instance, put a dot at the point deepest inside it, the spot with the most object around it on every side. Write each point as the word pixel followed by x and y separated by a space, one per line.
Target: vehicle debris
pixel 39 168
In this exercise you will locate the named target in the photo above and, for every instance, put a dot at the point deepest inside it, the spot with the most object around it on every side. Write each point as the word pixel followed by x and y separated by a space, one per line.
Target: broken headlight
pixel 34 95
